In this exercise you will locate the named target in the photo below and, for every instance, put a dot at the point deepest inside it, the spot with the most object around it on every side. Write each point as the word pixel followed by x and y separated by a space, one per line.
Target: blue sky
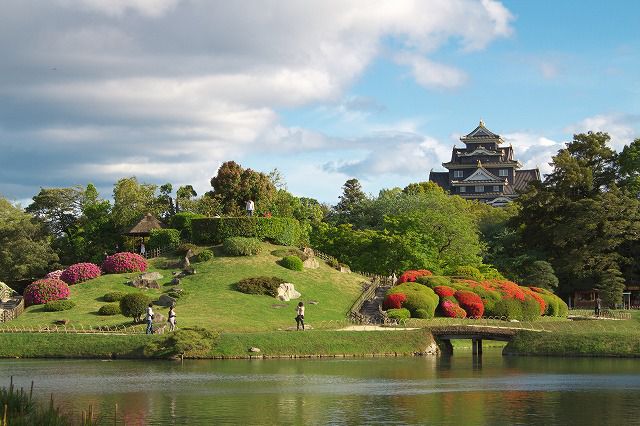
pixel 324 91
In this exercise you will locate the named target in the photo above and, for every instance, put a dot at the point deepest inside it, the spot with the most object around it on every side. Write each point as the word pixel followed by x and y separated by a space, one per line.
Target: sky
pixel 324 91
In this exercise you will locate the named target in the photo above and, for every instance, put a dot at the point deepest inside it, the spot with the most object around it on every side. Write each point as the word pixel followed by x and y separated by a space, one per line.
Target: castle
pixel 483 170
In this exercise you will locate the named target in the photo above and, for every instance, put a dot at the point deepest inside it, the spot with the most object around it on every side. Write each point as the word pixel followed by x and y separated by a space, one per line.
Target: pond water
pixel 455 390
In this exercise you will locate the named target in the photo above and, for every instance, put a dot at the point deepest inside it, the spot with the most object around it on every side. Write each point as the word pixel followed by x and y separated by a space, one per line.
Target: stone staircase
pixel 371 309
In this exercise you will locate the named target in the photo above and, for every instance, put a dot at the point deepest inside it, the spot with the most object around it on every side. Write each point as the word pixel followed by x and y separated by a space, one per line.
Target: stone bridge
pixel 476 333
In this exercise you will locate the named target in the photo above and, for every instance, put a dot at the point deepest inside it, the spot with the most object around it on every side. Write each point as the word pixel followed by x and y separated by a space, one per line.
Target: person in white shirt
pixel 250 207
pixel 300 316
pixel 150 319
pixel 143 250
pixel 172 319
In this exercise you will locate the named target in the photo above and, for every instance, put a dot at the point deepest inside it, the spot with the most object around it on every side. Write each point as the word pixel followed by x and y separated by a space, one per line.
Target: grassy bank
pixel 323 342
pixel 230 345
pixel 34 345
pixel 622 343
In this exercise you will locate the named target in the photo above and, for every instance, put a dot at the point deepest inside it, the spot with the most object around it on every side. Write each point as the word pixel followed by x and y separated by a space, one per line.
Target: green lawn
pixel 211 301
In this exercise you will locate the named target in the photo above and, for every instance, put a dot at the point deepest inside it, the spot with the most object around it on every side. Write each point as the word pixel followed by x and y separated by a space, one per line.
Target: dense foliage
pixel 204 256
pixel 163 238
pixel 59 305
pixel 284 231
pixel 260 285
pixel 412 276
pixel 122 262
pixel 291 262
pixel 421 301
pixel 80 272
pixel 110 309
pixel 113 296
pixel 241 246
pixel 182 222
pixel 45 290
pixel 134 305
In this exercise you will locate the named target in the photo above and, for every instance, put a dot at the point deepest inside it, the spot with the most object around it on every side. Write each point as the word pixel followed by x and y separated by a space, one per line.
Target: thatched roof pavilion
pixel 146 224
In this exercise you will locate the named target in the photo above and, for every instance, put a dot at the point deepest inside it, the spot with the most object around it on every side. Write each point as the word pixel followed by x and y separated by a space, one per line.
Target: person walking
pixel 250 207
pixel 143 250
pixel 172 319
pixel 300 316
pixel 598 306
pixel 150 319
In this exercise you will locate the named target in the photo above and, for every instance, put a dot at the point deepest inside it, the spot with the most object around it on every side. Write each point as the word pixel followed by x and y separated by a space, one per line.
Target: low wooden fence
pixel 73 329
pixel 12 312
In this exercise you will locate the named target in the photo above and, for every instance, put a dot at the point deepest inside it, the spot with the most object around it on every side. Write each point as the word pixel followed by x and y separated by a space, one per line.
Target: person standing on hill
pixel 172 319
pixel 300 316
pixel 250 207
pixel 150 319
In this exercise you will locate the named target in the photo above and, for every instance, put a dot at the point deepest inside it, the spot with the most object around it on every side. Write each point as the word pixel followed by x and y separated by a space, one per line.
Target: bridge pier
pixel 476 345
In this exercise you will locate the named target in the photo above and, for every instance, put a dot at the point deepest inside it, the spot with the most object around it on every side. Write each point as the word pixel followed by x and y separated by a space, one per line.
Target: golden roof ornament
pixel 481 123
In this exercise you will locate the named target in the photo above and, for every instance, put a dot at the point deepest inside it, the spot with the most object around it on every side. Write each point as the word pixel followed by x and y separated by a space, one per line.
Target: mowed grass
pixel 211 300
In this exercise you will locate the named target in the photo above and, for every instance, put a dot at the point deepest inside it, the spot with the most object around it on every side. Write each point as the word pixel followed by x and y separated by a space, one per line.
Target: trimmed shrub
pixel 204 256
pixel 184 248
pixel 470 302
pixel 412 275
pixel 421 300
pixel 182 222
pixel 444 291
pixel 489 297
pixel 508 308
pixel 113 296
pixel 45 290
pixel 241 246
pixel 452 310
pixel 58 305
pixel 292 262
pixel 80 272
pixel 538 298
pixel 134 305
pixel 125 261
pixel 468 272
pixel 393 301
pixel 280 230
pixel 260 285
pixel 290 252
pixel 55 274
pixel 398 314
pixel 434 281
pixel 110 309
pixel 530 308
pixel 161 238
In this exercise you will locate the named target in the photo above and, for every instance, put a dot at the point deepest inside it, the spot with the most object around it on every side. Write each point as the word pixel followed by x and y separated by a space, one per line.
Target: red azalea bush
pixel 42 291
pixel 537 298
pixel 451 310
pixel 470 302
pixel 510 289
pixel 394 301
pixel 80 272
pixel 412 275
pixel 124 262
pixel 55 274
pixel 444 290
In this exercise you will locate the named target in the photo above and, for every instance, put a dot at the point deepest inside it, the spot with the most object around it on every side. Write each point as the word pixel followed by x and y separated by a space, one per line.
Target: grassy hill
pixel 211 300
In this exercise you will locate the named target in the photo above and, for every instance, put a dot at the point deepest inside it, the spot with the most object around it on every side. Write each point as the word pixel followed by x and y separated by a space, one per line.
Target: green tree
pixel 132 200
pixel 233 186
pixel 25 245
pixel 352 205
pixel 540 274
pixel 629 164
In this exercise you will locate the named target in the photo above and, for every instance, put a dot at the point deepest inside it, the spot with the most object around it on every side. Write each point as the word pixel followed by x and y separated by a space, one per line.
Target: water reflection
pixel 461 389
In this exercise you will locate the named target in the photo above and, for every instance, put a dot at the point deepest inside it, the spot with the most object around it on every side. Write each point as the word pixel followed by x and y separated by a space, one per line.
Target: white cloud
pixel 533 150
pixel 149 8
pixel 621 128
pixel 431 74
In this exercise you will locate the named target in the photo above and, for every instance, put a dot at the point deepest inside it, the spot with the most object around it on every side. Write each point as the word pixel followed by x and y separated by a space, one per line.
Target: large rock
pixel 166 300
pixel 142 283
pixel 151 276
pixel 6 293
pixel 311 263
pixel 287 291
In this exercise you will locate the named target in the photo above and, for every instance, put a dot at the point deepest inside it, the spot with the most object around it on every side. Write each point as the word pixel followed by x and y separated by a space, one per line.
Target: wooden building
pixel 484 170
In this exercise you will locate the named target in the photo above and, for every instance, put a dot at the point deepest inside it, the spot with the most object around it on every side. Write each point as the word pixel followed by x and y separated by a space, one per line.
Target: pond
pixel 423 390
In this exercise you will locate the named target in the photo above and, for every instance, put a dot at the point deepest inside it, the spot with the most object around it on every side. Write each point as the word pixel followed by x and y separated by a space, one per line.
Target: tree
pixel 184 194
pixel 629 164
pixel 25 246
pixel 132 200
pixel 352 205
pixel 540 274
pixel 233 186
pixel 165 202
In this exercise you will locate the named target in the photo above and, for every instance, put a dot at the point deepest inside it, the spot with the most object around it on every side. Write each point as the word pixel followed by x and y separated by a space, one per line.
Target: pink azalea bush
pixel 124 262
pixel 45 290
pixel 55 274
pixel 80 272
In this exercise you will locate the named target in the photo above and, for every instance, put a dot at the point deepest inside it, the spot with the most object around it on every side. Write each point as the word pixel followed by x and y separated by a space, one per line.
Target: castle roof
pixel 481 134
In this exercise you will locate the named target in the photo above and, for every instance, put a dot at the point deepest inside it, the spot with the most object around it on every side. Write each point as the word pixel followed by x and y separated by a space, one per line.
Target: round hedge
pixel 80 272
pixel 292 262
pixel 125 261
pixel 242 246
pixel 260 285
pixel 204 256
pixel 421 300
pixel 134 305
pixel 58 305
pixel 113 296
pixel 108 310
pixel 55 274
pixel 398 314
pixel 393 301
pixel 470 302
pixel 45 290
